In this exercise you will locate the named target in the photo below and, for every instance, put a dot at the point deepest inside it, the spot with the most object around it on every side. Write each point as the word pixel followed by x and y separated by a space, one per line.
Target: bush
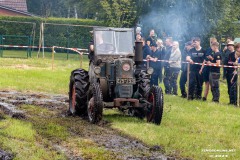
pixel 54 35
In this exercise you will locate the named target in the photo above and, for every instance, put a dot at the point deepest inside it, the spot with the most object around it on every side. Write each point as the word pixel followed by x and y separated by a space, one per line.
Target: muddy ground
pixel 106 137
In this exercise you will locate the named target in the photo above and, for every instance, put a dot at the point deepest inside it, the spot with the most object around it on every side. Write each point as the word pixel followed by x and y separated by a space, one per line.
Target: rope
pixel 213 65
pixel 78 50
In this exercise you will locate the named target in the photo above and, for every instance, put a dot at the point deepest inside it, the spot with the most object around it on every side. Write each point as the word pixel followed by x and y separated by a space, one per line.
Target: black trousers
pixel 229 75
pixel 195 85
pixel 214 83
pixel 154 77
pixel 182 82
pixel 233 92
pixel 160 73
pixel 170 80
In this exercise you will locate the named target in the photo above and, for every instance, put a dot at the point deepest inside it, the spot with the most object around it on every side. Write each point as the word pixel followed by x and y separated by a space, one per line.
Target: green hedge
pixel 65 36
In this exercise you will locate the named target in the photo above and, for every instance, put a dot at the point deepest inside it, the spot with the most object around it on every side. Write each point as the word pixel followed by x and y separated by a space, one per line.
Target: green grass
pixel 36 74
pixel 20 138
pixel 34 139
pixel 188 127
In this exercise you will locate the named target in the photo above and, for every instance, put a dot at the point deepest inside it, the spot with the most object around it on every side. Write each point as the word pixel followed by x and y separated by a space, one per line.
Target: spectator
pixel 167 74
pixel 183 78
pixel 152 38
pixel 214 59
pixel 175 65
pixel 138 37
pixel 146 49
pixel 226 52
pixel 233 89
pixel 206 70
pixel 161 49
pixel 196 55
pixel 153 62
pixel 230 71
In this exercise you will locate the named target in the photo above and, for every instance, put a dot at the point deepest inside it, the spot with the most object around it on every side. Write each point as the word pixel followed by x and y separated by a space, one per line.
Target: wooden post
pixel 52 57
pixel 40 41
pixel 81 59
pixel 188 77
pixel 43 44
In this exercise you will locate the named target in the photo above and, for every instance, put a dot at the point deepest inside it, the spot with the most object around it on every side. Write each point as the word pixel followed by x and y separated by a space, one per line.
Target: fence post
pixel 52 57
pixel 81 59
pixel 188 72
pixel 30 44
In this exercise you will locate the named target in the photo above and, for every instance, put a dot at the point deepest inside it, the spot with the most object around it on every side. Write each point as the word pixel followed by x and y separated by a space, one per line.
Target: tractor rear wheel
pixel 95 103
pixel 78 87
pixel 155 110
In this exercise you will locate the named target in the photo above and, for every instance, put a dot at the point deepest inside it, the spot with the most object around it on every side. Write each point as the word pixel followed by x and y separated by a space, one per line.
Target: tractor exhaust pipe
pixel 138 53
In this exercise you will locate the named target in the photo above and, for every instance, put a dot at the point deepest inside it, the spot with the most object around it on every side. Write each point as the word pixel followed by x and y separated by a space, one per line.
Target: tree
pixel 120 13
pixel 47 8
pixel 184 19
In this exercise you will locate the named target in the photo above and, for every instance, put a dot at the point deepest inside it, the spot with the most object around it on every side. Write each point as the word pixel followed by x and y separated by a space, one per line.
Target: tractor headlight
pixel 97 70
pixel 150 70
pixel 126 67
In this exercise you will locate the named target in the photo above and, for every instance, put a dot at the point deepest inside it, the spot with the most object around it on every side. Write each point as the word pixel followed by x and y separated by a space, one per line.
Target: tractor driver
pixel 102 46
pixel 91 49
pixel 99 41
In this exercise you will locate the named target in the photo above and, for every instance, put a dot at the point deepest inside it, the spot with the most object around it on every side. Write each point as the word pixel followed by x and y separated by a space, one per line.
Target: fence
pixel 15 39
pixel 222 66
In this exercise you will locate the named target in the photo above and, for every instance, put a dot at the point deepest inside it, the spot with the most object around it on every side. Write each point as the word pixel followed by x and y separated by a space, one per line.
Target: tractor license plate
pixel 126 81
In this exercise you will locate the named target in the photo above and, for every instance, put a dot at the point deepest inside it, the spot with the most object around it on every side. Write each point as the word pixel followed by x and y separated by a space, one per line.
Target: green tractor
pixel 117 78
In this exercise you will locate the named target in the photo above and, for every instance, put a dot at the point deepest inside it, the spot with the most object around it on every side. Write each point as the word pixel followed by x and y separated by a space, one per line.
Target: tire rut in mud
pixel 125 147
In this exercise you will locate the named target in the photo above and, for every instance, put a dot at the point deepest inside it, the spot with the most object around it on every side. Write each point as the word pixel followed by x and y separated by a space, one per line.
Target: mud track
pixel 110 139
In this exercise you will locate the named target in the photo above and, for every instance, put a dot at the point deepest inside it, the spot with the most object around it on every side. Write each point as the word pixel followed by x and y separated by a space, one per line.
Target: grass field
pixel 192 129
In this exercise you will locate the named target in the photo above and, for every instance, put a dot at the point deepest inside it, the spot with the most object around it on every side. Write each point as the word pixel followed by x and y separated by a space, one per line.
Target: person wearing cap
pixel 175 66
pixel 153 62
pixel 167 75
pixel 183 78
pixel 229 72
pixel 196 55
pixel 205 70
pixel 214 58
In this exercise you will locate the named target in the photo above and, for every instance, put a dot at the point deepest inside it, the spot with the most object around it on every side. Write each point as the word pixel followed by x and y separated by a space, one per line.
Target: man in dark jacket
pixel 183 78
pixel 153 62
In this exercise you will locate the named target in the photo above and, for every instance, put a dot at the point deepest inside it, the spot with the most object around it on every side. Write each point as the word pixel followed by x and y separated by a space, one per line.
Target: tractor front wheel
pixel 78 88
pixel 155 108
pixel 95 104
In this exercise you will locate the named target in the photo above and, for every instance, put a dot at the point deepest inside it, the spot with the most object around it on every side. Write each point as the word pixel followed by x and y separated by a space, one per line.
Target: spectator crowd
pixel 168 61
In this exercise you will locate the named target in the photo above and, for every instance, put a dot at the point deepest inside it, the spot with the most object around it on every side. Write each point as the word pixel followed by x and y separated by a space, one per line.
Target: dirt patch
pixel 21 66
pixel 5 155
pixel 104 136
